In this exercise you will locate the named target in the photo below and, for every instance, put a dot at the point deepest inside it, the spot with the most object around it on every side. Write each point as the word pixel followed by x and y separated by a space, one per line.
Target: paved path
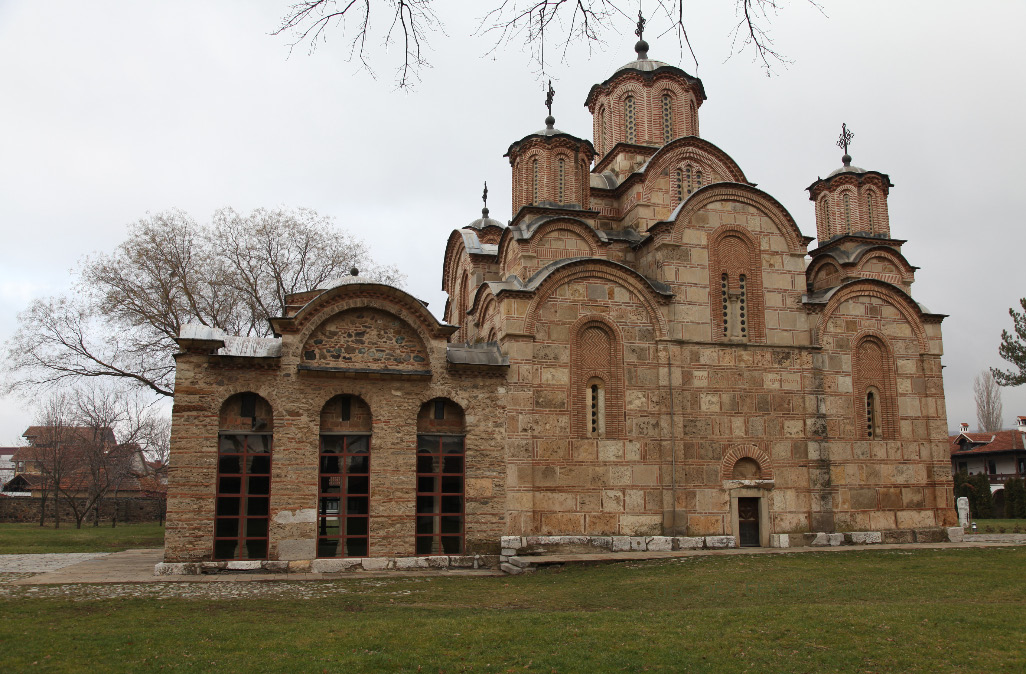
pixel 136 566
pixel 44 562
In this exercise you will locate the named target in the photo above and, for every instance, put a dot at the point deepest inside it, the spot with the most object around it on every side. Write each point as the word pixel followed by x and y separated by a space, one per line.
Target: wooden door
pixel 748 522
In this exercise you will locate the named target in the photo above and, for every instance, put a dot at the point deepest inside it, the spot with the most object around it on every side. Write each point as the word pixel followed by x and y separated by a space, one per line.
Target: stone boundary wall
pixel 892 536
pixel 25 510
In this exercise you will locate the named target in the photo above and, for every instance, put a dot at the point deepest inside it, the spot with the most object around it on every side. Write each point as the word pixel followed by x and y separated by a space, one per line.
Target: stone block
pixel 521 562
pixel 377 563
pixel 637 543
pixel 620 543
pixel 176 569
pixel 659 543
pixel 898 536
pixel 819 539
pixel 780 541
pixel 688 542
pixel 865 537
pixel 514 542
pixel 507 552
pixel 511 570
pixel 407 563
pixel 931 535
pixel 212 567
pixel 461 562
pixel 244 566
pixel 486 561
pixel 955 534
pixel 719 542
pixel 300 566
pixel 275 566
pixel 835 539
pixel 334 565
pixel 601 542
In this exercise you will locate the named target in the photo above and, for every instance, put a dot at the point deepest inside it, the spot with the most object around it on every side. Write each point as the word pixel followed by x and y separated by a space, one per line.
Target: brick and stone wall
pixel 25 509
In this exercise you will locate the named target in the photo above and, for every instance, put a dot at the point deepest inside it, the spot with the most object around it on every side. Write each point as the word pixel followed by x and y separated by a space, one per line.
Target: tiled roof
pixel 987 443
pixel 44 434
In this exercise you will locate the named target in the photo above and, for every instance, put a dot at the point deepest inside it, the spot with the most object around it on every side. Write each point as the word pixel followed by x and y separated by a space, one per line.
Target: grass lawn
pixel 32 538
pixel 868 611
pixel 999 526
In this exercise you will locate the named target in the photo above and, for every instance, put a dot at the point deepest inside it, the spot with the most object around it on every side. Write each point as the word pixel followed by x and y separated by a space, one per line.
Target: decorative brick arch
pixel 617 107
pixel 598 269
pixel 743 194
pixel 690 149
pixel 581 231
pixel 905 273
pixel 819 273
pixel 738 452
pixel 879 222
pixel 873 367
pixel 847 219
pixel 364 300
pixel 735 252
pixel 880 290
pixel 596 351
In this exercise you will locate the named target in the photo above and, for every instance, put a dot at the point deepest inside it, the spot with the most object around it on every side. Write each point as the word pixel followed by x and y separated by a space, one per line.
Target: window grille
pixel 847 211
pixel 667 118
pixel 628 113
pixel 343 516
pixel 243 495
pixel 440 494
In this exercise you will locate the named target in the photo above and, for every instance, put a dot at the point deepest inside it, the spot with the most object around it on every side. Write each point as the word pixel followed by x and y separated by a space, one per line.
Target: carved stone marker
pixel 962 503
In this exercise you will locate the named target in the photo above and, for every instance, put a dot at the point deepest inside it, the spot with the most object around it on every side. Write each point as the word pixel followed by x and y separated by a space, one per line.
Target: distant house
pixel 6 464
pixel 1000 455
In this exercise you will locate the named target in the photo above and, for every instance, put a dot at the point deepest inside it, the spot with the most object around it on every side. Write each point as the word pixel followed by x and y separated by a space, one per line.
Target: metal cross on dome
pixel 641 26
pixel 845 138
pixel 548 98
pixel 484 195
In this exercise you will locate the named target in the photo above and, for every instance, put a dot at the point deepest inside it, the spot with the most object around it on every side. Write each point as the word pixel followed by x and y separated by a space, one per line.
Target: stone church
pixel 648 350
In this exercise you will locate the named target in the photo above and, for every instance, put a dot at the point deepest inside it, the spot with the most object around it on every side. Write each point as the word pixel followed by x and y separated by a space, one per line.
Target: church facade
pixel 648 348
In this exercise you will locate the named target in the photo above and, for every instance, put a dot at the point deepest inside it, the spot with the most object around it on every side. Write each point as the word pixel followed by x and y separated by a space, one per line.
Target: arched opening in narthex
pixel 441 472
pixel 343 498
pixel 242 500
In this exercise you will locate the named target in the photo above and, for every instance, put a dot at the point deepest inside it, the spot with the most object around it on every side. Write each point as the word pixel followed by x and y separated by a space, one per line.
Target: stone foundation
pixel 343 565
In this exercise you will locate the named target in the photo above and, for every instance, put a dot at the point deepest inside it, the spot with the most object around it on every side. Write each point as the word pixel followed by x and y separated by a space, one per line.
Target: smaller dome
pixel 645 65
pixel 484 221
pixel 847 169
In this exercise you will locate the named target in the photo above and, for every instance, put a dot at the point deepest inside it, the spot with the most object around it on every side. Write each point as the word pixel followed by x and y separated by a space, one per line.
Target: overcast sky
pixel 110 110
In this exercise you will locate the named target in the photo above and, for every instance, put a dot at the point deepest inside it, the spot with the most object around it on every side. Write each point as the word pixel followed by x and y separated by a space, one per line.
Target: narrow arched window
pixel 872 414
pixel 694 119
pixel 725 292
pixel 847 211
pixel 667 118
pixel 678 179
pixel 562 181
pixel 824 204
pixel 596 406
pixel 242 506
pixel 628 119
pixel 534 172
pixel 741 318
pixel 343 494
pixel 687 174
pixel 869 209
pixel 441 472
pixel 602 129
pixel 698 179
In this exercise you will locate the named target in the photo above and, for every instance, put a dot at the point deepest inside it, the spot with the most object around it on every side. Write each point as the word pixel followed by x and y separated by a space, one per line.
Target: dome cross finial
pixel 550 121
pixel 843 141
pixel 484 198
pixel 641 47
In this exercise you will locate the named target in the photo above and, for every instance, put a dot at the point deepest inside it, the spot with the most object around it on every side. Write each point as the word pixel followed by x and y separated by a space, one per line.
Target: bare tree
pixel 121 320
pixel 54 451
pixel 988 402
pixel 533 23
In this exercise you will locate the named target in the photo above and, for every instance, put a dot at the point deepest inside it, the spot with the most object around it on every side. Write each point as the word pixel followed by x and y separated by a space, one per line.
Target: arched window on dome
pixel 678 184
pixel 689 178
pixel 698 179
pixel 869 210
pixel 847 212
pixel 667 118
pixel 629 120
pixel 534 178
pixel 602 128
pixel 242 502
pixel 694 119
pixel 562 181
